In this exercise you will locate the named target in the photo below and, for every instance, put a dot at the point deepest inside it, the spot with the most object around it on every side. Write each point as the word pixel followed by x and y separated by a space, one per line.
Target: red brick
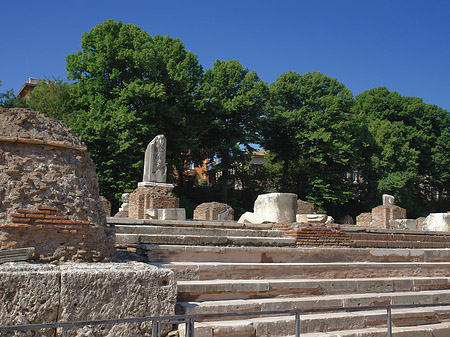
pixel 44 221
pixel 35 216
pixel 28 211
pixel 20 220
pixel 47 208
pixel 57 217
pixel 17 215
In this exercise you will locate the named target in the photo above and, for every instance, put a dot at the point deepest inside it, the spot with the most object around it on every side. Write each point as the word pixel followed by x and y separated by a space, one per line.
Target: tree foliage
pixel 53 98
pixel 308 129
pixel 130 87
pixel 234 100
pixel 404 140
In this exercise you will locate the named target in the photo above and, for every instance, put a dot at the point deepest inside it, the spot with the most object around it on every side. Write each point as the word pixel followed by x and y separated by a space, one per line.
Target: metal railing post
pixel 297 324
pixel 389 321
pixel 64 332
pixel 190 327
pixel 156 327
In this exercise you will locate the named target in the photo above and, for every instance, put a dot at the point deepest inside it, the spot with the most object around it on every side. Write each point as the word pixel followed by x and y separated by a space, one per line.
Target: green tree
pixel 308 129
pixel 53 98
pixel 234 100
pixel 10 100
pixel 130 87
pixel 405 159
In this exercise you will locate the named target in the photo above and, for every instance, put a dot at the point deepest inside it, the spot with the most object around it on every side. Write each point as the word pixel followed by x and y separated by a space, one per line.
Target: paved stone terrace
pixel 226 267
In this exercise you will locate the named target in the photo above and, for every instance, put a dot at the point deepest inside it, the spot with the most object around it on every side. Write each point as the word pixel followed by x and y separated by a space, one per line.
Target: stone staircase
pixel 222 267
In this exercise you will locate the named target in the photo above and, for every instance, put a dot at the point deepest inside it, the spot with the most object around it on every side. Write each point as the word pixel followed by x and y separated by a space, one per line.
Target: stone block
pixel 105 291
pixel 106 205
pixel 304 207
pixel 151 195
pixel 381 215
pixel 364 219
pixel 43 293
pixel 167 213
pixel 437 222
pixel 29 294
pixel 273 207
pixel 213 211
pixel 388 200
pixel 408 224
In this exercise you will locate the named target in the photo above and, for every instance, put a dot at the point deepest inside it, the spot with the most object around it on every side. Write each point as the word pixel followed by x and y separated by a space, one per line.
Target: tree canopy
pixel 307 127
pixel 339 152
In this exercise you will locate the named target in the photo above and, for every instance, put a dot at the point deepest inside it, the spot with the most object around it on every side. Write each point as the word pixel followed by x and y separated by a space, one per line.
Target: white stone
pixel 316 218
pixel 249 217
pixel 167 213
pixel 276 207
pixel 155 169
pixel 301 218
pixel 408 224
pixel 329 221
pixel 437 222
pixel 388 200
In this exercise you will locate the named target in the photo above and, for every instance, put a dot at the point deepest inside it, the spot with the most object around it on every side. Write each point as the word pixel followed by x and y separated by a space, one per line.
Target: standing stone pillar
pixel 153 192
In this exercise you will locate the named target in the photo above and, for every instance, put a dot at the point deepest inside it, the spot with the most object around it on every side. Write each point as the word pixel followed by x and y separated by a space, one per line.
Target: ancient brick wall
pixel 145 197
pixel 382 214
pixel 49 196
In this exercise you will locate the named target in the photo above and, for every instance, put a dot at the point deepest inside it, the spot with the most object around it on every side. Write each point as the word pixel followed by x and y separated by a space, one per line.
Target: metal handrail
pixel 189 320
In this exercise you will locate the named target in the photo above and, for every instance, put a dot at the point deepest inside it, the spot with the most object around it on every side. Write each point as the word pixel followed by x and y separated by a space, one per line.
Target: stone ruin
pixel 154 198
pixel 214 211
pixel 49 196
pixel 384 216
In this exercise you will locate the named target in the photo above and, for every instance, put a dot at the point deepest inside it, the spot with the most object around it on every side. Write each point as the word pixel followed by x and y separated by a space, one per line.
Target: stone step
pixel 186 271
pixel 174 230
pixel 213 290
pixel 312 302
pixel 173 253
pixel 134 239
pixel 112 221
pixel 334 324
pixel 17 254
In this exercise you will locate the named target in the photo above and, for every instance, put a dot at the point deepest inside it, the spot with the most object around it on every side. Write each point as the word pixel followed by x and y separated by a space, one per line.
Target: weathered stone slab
pixel 167 213
pixel 103 291
pixel 437 222
pixel 408 224
pixel 155 169
pixel 304 207
pixel 213 211
pixel 44 293
pixel 29 294
pixel 364 219
pixel 388 200
pixel 273 207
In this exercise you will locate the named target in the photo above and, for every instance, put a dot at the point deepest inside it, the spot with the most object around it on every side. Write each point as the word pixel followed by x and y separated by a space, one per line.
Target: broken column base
pixel 151 195
pixel 167 213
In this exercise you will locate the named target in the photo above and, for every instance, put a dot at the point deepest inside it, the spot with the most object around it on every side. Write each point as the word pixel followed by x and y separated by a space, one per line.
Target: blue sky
pixel 401 44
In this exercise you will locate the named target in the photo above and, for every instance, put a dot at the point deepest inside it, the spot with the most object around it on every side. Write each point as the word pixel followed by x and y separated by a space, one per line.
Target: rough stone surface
pixel 147 197
pixel 167 213
pixel 364 219
pixel 155 169
pixel 106 205
pixel 437 222
pixel 381 215
pixel 408 224
pixel 388 200
pixel 213 211
pixel 45 294
pixel 274 207
pixel 49 196
pixel 29 294
pixel 304 207
pixel 43 161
